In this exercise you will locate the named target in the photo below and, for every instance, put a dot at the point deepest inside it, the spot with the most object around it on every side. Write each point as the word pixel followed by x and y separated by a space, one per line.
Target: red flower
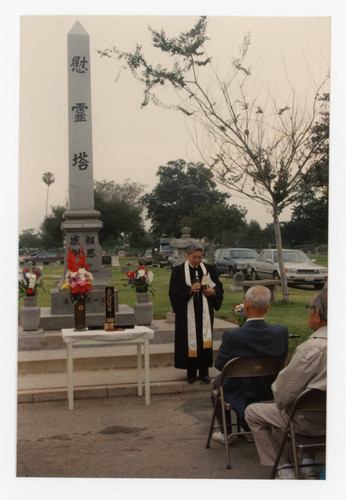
pixel 29 291
pixel 82 259
pixel 141 267
pixel 130 274
pixel 74 265
pixel 71 261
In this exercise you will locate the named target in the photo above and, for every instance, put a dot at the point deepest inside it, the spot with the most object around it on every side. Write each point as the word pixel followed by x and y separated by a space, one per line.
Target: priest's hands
pixel 195 287
pixel 209 291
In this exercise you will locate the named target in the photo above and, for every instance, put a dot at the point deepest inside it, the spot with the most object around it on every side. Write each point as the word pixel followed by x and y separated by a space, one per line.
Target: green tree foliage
pixel 29 239
pixel 309 224
pixel 307 228
pixel 51 234
pixel 309 221
pixel 256 144
pixel 145 242
pixel 253 236
pixel 121 212
pixel 181 188
pixel 317 177
pixel 220 225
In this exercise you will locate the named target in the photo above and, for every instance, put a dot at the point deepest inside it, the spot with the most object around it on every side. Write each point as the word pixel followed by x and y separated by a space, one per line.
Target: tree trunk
pixel 285 294
pixel 47 200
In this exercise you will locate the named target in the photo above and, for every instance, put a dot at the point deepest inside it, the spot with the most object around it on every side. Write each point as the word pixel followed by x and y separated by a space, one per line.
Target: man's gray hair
pixel 258 296
pixel 320 301
pixel 195 247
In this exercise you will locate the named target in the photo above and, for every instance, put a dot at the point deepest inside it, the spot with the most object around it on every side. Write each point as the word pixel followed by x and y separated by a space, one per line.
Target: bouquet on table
pixel 29 282
pixel 141 280
pixel 78 278
pixel 238 314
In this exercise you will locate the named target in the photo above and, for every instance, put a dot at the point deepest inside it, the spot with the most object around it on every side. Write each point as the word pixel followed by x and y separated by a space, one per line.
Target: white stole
pixel 191 323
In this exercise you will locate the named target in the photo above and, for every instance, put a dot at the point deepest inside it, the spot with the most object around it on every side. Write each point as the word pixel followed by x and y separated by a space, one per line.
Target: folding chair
pixel 239 367
pixel 312 400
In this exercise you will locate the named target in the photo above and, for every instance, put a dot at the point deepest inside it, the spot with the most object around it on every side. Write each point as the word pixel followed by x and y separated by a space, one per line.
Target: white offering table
pixel 139 335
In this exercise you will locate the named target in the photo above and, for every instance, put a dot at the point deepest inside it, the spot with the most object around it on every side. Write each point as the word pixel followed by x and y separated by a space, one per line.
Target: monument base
pixel 124 318
pixel 61 303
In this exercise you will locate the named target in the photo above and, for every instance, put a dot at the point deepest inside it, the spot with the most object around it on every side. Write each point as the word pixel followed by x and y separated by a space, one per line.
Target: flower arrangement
pixel 78 277
pixel 141 280
pixel 29 282
pixel 238 314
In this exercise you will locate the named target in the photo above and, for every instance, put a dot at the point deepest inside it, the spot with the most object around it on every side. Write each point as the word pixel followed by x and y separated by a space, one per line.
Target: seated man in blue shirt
pixel 254 338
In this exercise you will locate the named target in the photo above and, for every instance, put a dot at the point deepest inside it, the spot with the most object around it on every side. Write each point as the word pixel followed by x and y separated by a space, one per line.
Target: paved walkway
pixel 122 438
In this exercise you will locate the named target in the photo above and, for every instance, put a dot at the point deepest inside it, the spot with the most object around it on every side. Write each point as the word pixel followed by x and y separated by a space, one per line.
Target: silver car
pixel 299 268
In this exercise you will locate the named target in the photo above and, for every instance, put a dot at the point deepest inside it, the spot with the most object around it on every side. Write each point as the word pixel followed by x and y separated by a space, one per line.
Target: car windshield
pixel 166 248
pixel 244 254
pixel 293 256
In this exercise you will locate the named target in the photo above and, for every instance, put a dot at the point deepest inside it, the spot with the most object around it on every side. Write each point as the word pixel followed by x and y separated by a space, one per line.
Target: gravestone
pixel 82 222
pixel 237 278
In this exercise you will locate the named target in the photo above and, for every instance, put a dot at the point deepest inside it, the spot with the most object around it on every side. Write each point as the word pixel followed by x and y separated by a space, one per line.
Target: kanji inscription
pixel 79 64
pixel 80 159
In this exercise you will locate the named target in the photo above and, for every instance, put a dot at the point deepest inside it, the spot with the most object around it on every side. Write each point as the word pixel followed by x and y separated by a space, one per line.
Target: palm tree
pixel 48 178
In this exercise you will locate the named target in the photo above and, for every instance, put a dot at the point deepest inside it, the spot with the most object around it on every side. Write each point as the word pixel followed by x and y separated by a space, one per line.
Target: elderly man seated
pixel 307 370
pixel 254 338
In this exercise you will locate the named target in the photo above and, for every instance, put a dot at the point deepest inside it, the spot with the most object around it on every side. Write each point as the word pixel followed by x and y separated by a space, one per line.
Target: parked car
pixel 231 260
pixel 216 255
pixel 299 269
pixel 146 258
pixel 43 257
pixel 161 252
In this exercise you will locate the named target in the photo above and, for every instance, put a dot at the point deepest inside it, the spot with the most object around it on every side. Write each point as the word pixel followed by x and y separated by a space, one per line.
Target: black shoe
pixel 206 379
pixel 191 380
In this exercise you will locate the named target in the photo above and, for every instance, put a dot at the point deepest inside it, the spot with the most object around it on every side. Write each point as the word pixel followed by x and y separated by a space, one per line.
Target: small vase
pixel 79 316
pixel 143 309
pixel 30 313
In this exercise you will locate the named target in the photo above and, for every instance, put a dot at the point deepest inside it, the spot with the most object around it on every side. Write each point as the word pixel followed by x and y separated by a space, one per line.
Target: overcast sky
pixel 130 142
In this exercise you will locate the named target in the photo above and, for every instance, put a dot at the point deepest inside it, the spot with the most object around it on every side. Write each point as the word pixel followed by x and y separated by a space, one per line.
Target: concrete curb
pixel 103 371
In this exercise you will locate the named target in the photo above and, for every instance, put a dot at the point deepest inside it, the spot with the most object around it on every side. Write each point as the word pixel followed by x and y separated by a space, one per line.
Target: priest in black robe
pixel 194 291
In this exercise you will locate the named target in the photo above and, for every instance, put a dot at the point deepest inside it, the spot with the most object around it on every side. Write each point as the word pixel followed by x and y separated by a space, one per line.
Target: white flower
pixel 32 281
pixel 140 273
pixel 31 278
pixel 150 277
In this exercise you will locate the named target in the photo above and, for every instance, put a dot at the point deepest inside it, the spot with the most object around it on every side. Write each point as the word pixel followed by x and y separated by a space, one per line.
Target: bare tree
pixel 48 178
pixel 254 145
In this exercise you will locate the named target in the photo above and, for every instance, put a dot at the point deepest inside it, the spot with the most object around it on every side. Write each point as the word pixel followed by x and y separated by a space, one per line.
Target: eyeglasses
pixel 310 307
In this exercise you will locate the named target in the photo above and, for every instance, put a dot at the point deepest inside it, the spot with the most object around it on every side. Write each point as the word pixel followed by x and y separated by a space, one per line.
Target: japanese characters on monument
pixel 81 221
pixel 109 308
pixel 85 240
pixel 81 192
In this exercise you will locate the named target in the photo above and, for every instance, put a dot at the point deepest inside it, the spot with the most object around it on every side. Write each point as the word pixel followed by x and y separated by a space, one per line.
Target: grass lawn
pixel 293 315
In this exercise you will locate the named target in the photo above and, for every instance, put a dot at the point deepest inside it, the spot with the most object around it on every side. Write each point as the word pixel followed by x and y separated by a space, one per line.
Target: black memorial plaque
pixel 110 308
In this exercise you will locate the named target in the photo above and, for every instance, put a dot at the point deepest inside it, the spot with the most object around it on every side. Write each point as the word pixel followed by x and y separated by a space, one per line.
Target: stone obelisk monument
pixel 82 222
